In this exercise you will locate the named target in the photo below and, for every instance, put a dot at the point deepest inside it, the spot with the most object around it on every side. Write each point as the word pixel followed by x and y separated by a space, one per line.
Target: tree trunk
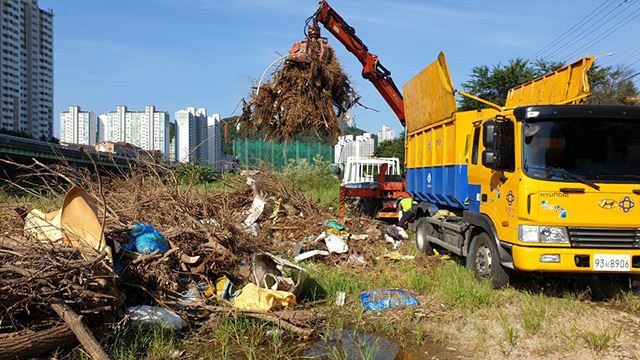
pixel 30 344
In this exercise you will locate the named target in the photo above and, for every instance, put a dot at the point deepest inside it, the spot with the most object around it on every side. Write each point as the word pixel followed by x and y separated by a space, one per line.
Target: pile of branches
pixel 35 275
pixel 205 228
pixel 301 98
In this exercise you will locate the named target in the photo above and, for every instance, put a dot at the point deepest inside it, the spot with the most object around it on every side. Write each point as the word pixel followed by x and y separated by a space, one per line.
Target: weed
pixel 510 335
pixel 155 342
pixel 599 340
pixel 315 179
pixel 533 313
pixel 628 301
pixel 421 333
pixel 459 288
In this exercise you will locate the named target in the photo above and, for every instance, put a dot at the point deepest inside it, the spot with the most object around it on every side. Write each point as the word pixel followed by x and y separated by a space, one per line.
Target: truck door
pixel 492 166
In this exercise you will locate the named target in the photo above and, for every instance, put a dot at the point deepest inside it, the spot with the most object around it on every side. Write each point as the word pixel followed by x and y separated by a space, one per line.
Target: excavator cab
pixel 313 46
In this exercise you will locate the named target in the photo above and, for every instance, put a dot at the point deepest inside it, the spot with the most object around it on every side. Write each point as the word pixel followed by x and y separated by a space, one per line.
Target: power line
pixel 605 35
pixel 567 32
pixel 589 31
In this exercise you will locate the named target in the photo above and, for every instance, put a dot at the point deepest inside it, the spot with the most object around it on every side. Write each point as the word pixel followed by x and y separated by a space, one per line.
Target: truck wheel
pixel 484 260
pixel 424 228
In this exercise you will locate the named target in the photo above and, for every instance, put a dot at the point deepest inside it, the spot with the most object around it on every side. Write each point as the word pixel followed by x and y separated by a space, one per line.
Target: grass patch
pixel 458 287
pixel 533 313
pixel 599 341
pixel 628 301
pixel 132 343
pixel 234 337
pixel 510 336
pixel 315 179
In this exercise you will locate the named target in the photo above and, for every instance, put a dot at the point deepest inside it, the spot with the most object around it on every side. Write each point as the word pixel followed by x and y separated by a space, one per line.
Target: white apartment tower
pixel 26 68
pixel 148 129
pixel 103 120
pixel 350 146
pixel 386 134
pixel 191 136
pixel 214 141
pixel 78 127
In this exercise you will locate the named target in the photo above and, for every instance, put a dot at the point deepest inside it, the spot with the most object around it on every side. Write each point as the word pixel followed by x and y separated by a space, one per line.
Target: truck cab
pixel 534 188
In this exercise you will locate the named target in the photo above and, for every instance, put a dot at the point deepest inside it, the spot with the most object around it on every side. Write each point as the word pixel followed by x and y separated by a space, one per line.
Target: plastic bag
pixel 145 239
pixel 386 298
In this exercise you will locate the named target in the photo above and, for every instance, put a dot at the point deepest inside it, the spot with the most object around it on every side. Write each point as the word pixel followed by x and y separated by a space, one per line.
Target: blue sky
pixel 206 53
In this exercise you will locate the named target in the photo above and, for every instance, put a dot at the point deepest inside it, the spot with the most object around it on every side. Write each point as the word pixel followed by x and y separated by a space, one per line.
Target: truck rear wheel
pixel 484 260
pixel 424 228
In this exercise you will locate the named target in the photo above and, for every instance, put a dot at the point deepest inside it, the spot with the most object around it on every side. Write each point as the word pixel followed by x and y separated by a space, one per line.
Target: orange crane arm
pixel 372 69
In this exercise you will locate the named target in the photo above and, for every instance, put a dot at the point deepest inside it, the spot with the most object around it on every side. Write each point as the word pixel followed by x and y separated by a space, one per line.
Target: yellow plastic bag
pixel 263 300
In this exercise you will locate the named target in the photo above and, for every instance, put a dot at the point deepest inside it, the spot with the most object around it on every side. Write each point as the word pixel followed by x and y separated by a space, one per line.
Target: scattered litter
pixel 210 221
pixel 258 299
pixel 271 272
pixel 309 254
pixel 148 315
pixel 383 299
pixel 340 298
pixel 395 243
pixel 335 244
pixel 359 237
pixel 396 232
pixel 333 223
pixel 226 288
pixel 189 260
pixel 357 258
pixel 145 239
pixel 75 224
pixel 274 332
pixel 397 256
pixel 441 256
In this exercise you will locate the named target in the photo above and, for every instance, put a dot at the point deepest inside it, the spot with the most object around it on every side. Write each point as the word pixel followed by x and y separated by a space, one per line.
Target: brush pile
pixel 211 234
pixel 301 98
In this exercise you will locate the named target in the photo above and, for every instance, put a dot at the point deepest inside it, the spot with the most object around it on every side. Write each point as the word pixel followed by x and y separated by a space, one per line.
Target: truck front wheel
pixel 484 260
pixel 424 229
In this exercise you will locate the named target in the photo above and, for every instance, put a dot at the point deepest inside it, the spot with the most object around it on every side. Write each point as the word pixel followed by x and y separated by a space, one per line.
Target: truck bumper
pixel 570 259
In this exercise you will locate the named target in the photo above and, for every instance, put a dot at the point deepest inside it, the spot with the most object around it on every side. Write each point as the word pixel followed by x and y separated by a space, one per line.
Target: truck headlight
pixel 543 234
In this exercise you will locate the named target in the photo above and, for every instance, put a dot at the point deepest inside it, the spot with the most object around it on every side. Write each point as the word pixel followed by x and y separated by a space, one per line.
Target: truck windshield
pixel 579 150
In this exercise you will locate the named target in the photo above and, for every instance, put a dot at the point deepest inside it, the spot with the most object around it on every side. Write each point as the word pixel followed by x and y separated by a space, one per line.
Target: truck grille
pixel 621 238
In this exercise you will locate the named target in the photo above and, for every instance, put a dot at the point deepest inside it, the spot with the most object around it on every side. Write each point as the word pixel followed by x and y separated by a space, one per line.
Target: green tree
pixel 391 148
pixel 611 85
pixel 493 83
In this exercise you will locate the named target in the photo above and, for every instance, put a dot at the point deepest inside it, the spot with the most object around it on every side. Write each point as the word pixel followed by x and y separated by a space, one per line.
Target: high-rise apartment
pixel 214 140
pixel 386 134
pixel 191 136
pixel 26 68
pixel 78 127
pixel 148 129
pixel 350 146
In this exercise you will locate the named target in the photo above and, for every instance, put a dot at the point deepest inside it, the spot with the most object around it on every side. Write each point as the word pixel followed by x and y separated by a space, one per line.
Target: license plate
pixel 607 262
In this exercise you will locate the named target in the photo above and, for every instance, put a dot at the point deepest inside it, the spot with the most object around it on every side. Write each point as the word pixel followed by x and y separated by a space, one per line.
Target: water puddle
pixel 349 344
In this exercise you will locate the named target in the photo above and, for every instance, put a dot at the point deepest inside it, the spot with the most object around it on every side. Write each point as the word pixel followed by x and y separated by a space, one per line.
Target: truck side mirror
pixel 489 159
pixel 489 135
pixel 491 155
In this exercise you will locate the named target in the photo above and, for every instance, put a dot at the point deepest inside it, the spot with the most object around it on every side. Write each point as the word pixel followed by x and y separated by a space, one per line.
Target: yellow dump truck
pixel 544 183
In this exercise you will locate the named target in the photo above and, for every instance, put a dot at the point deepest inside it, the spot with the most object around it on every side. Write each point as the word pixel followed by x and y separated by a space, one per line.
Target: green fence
pixel 254 153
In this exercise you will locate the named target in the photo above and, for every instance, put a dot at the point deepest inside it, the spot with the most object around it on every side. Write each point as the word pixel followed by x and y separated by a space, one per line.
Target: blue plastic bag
pixel 145 239
pixel 333 223
pixel 386 298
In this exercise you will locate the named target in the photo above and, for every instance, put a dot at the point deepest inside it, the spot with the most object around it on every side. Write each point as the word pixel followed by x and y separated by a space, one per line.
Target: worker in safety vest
pixel 405 211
